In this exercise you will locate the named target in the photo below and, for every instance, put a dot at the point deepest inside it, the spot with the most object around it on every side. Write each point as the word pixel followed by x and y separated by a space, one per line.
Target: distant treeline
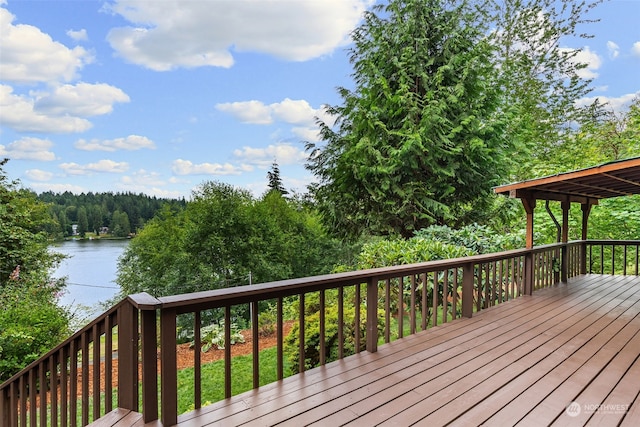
pixel 117 214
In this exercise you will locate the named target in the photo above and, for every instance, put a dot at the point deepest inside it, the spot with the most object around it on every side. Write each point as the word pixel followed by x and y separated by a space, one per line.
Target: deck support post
pixel 529 204
pixel 564 265
pixel 149 366
pixel 128 357
pixel 467 289
pixel 168 367
pixel 372 315
pixel 586 210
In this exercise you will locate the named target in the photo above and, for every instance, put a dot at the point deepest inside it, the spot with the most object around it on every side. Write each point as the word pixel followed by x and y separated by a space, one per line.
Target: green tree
pixel 31 322
pixel 542 78
pixel 83 221
pixel 120 224
pixel 275 181
pixel 418 140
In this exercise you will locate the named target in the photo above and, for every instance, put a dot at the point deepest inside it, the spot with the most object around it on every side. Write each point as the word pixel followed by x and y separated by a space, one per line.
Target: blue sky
pixel 158 97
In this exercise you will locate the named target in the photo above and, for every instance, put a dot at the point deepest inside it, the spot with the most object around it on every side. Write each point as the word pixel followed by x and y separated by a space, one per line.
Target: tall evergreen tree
pixel 275 181
pixel 417 141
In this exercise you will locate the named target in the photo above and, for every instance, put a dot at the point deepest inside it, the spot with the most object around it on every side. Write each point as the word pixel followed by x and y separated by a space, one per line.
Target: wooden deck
pixel 568 355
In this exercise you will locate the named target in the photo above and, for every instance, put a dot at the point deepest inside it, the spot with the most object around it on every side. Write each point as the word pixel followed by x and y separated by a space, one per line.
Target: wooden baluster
pixel 255 344
pixel 357 318
pixel 95 371
pixel 323 337
pixel 301 352
pixel 197 359
pixel 400 307
pixel 387 310
pixel 412 309
pixel 280 340
pixel 108 363
pixel 53 389
pixel 340 322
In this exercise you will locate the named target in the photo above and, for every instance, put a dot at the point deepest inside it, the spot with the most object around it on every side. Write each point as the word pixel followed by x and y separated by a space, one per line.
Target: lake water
pixel 90 270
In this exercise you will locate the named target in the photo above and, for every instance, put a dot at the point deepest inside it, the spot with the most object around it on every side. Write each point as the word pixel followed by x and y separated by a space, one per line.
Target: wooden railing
pixel 82 379
pixel 92 372
pixel 613 257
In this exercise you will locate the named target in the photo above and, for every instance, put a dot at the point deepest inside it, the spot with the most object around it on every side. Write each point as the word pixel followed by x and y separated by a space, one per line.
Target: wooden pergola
pixel 586 187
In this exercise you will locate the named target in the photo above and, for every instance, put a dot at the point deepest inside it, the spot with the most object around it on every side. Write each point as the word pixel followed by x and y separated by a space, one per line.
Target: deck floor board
pixel 523 361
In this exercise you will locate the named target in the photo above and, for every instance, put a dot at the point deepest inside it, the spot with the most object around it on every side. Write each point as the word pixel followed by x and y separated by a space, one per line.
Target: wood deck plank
pixel 291 385
pixel 398 372
pixel 505 404
pixel 520 360
pixel 535 364
pixel 360 366
pixel 520 354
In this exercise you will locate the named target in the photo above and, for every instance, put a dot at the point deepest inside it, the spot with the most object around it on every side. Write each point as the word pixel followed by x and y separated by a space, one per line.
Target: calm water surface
pixel 90 270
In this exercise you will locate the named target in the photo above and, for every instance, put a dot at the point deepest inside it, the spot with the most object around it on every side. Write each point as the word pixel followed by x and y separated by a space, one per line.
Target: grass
pixel 213 378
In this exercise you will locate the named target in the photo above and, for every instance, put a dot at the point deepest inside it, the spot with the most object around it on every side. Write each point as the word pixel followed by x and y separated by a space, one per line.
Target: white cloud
pixel 82 99
pixel 28 148
pixel 256 112
pixel 31 56
pixel 283 154
pixel 60 111
pixel 635 49
pixel 102 166
pixel 614 49
pixel 79 35
pixel 130 143
pixel 57 188
pixel 586 56
pixel 38 175
pixel 616 104
pixel 307 134
pixel 169 34
pixel 18 113
pixel 147 182
pixel 186 167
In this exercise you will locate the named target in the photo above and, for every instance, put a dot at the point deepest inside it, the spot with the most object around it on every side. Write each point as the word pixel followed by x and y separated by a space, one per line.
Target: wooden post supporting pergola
pixel 586 187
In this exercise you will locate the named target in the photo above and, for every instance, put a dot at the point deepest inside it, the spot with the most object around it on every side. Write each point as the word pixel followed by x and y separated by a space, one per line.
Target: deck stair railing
pixel 119 359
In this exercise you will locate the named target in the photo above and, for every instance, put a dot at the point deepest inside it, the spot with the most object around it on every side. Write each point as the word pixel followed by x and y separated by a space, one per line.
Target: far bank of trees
pixel 119 214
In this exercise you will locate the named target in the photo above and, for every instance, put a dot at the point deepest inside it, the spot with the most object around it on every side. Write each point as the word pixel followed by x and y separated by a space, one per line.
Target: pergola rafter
pixel 585 186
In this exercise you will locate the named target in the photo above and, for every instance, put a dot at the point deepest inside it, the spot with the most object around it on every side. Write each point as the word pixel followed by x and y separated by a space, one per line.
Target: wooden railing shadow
pixel 113 361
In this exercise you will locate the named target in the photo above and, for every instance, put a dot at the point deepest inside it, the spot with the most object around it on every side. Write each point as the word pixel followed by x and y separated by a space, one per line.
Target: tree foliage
pixel 418 140
pixel 31 322
pixel 223 237
pixel 542 78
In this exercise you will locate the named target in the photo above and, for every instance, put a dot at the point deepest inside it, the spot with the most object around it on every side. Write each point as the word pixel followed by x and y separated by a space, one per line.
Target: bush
pixel 312 330
pixel 31 323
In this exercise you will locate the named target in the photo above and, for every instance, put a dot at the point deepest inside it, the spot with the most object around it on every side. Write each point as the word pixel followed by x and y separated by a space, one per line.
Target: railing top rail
pixel 140 301
pixel 612 242
pixel 294 286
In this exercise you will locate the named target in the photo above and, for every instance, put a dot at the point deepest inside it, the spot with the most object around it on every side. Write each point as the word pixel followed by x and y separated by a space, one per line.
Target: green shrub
pixel 312 330
pixel 213 336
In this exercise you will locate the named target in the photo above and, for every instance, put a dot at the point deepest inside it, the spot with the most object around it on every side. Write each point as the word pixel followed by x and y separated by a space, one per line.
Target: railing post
pixel 128 357
pixel 528 273
pixel 564 265
pixel 168 367
pixel 149 366
pixel 583 257
pixel 372 315
pixel 5 407
pixel 467 289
